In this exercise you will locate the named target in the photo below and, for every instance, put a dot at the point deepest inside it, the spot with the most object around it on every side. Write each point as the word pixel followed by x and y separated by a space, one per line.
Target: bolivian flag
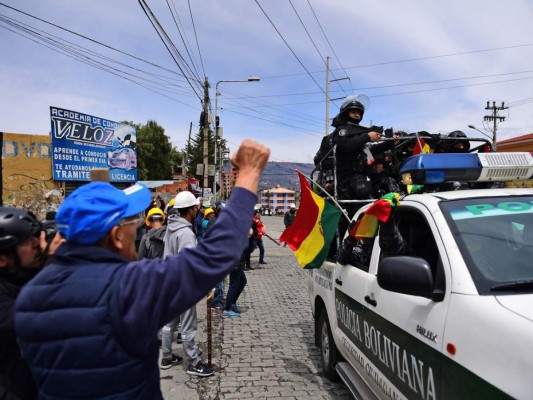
pixel 380 210
pixel 313 229
pixel 421 147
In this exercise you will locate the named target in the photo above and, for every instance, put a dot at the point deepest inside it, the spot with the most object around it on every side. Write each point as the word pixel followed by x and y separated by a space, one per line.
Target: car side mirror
pixel 406 275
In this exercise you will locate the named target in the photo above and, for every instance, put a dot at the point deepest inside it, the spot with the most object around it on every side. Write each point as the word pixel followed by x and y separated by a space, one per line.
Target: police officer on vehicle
pixel 352 154
pixel 352 159
pixel 22 241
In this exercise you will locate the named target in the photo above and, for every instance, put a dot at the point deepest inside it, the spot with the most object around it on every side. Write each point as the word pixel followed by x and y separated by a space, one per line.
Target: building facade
pixel 277 200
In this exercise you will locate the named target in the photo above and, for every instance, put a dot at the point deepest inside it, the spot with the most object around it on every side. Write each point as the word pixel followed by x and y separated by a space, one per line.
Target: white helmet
pixel 185 199
pixel 292 205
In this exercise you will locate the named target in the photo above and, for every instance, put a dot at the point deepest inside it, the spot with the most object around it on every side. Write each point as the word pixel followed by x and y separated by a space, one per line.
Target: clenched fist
pixel 249 161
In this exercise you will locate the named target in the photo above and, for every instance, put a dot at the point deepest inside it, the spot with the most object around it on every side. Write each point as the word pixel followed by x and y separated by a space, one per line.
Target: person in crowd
pixel 198 222
pixel 209 214
pixel 180 235
pixel 169 206
pixel 237 282
pixel 152 244
pixel 24 243
pixel 121 303
pixel 247 254
pixel 289 217
pixel 257 241
pixel 209 219
pixel 218 208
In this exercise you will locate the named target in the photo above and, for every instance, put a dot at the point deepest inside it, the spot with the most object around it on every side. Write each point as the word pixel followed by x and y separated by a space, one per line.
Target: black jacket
pixel 350 154
pixel 288 218
pixel 16 381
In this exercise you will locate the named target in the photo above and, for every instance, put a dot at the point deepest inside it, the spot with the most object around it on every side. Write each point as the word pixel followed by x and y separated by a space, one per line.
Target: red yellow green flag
pixel 380 210
pixel 313 229
pixel 421 147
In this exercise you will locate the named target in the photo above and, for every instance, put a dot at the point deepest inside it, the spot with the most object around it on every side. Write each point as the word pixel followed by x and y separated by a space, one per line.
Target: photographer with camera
pixel 23 246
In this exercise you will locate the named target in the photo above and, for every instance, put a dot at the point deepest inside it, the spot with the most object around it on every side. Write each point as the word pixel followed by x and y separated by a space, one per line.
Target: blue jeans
pixel 257 243
pixel 217 297
pixel 237 282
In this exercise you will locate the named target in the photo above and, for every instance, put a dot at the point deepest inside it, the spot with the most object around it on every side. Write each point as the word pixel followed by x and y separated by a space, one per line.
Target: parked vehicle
pixel 451 317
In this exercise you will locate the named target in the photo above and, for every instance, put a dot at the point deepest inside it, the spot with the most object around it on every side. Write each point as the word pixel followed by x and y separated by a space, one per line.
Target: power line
pixel 451 87
pixel 417 91
pixel 90 39
pixel 264 104
pixel 161 32
pixel 74 54
pixel 263 113
pixel 290 48
pixel 410 60
pixel 521 102
pixel 327 40
pixel 182 39
pixel 77 50
pixel 399 84
pixel 312 41
pixel 196 37
pixel 321 134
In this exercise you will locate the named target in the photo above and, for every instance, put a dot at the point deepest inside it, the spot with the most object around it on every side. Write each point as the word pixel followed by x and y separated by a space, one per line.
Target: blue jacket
pixel 87 324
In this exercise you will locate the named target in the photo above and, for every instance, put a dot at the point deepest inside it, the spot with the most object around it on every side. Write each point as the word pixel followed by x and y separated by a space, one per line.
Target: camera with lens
pixel 50 229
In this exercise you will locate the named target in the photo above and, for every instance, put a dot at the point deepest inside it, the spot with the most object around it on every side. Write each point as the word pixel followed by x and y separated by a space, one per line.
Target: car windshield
pixel 495 237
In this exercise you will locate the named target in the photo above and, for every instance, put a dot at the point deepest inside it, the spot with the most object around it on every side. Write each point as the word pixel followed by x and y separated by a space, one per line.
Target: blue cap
pixel 92 210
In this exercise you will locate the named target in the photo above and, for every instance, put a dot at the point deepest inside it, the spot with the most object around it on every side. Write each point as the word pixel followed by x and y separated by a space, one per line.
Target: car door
pixel 350 283
pixel 402 334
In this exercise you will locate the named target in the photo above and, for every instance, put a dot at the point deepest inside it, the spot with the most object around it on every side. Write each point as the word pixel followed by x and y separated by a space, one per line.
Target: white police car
pixel 452 318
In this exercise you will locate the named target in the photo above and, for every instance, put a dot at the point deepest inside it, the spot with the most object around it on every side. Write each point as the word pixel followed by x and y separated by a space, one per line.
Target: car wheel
pixel 328 351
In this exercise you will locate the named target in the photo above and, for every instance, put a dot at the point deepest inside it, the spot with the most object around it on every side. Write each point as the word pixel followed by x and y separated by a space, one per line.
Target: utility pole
pixel 205 130
pixel 327 97
pixel 495 118
pixel 328 81
pixel 186 158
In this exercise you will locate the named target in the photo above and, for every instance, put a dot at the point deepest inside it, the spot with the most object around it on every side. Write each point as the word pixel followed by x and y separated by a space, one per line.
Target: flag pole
pixel 327 194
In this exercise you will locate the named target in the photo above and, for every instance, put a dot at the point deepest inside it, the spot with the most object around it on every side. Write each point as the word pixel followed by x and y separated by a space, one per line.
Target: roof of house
pixel 516 139
pixel 278 189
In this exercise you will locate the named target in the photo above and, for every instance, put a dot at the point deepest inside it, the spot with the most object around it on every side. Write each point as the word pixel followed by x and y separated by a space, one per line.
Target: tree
pixel 157 159
pixel 195 150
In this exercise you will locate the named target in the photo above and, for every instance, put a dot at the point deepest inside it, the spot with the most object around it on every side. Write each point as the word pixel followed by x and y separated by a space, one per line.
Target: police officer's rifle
pixel 358 129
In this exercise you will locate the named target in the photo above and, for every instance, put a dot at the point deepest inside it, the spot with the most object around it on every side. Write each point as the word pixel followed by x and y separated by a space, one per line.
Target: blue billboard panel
pixel 81 142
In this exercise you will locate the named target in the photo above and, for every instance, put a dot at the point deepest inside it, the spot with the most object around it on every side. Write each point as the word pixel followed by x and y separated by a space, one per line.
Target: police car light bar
pixel 467 167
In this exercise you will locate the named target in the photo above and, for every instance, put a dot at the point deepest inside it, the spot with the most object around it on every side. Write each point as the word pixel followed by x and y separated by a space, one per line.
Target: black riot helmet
pixel 458 146
pixel 457 134
pixel 359 102
pixel 16 225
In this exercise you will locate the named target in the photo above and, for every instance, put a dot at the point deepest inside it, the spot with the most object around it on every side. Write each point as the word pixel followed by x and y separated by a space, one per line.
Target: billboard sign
pixel 81 142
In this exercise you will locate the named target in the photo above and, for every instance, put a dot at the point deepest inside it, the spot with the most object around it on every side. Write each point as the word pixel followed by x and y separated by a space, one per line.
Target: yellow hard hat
pixel 208 211
pixel 171 202
pixel 153 211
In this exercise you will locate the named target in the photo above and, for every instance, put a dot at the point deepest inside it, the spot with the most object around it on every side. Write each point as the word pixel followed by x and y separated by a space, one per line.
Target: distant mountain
pixel 282 173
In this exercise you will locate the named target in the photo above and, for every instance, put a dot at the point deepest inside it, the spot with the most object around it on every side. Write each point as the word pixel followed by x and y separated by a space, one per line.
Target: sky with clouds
pixel 425 65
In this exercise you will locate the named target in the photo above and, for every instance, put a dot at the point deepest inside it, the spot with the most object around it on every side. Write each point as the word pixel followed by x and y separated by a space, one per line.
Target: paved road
pixel 267 352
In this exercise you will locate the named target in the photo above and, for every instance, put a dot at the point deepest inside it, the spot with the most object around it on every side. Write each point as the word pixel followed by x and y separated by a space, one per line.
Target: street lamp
pixel 483 133
pixel 224 156
pixel 250 79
